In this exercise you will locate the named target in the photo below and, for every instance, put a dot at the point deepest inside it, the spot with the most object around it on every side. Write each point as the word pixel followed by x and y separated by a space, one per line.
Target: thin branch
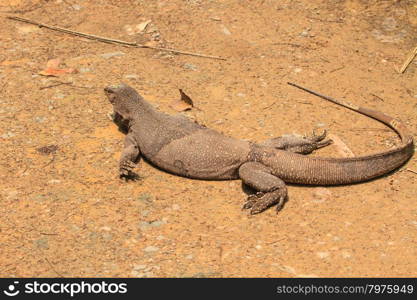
pixel 412 171
pixel 376 96
pixel 54 85
pixel 52 267
pixel 409 60
pixel 110 40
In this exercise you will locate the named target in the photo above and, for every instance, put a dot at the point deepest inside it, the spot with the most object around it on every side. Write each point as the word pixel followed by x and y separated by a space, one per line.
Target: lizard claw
pixel 130 176
pixel 252 199
pixel 260 201
pixel 126 171
pixel 319 140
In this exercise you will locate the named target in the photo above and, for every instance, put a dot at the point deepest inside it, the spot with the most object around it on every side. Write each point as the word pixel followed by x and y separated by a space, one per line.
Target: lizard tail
pixel 397 125
pixel 296 168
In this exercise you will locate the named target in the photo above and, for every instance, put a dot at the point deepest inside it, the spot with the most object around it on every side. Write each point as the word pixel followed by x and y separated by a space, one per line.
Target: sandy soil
pixel 63 210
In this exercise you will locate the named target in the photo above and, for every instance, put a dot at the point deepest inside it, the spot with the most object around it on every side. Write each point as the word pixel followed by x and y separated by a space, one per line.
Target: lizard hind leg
pixel 298 143
pixel 271 189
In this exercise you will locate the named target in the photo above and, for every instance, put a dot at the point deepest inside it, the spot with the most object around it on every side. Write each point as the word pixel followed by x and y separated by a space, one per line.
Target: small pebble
pixel 189 66
pixel 175 207
pixel 225 30
pixel 40 119
pixel 131 76
pixel 84 70
pixel 323 254
pixel 112 54
pixel 139 267
pixel 7 135
pixel 150 249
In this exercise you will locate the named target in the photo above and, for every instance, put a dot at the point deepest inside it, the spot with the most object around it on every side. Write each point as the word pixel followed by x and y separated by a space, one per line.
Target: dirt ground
pixel 64 212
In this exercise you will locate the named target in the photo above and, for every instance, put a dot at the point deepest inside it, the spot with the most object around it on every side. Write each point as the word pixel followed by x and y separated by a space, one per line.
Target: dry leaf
pixel 47 149
pixel 183 104
pixel 142 26
pixel 52 68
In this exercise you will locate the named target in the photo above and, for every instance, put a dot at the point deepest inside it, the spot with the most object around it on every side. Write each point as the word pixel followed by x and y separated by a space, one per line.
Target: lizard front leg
pixel 298 143
pixel 130 156
pixel 120 122
pixel 271 189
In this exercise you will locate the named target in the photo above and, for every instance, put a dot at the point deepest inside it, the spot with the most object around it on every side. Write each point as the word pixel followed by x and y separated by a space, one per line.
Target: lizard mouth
pixel 110 94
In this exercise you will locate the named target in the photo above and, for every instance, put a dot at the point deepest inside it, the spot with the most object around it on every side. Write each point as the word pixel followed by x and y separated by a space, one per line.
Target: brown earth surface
pixel 64 212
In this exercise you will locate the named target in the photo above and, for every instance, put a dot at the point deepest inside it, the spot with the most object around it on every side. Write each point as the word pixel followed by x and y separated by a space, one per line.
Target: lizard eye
pixel 109 90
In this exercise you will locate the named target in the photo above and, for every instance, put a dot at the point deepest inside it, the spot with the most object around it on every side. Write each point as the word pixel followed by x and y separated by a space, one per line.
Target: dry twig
pixel 109 40
pixel 409 60
pixel 412 171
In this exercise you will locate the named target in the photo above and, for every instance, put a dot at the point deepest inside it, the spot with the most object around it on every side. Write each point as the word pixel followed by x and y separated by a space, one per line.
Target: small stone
pixel 59 96
pixel 287 269
pixel 131 76
pixel 175 207
pixel 27 29
pixel 145 197
pixel 84 70
pixel 137 274
pixel 297 70
pixel 139 267
pixel 40 119
pixel 112 54
pixel 225 30
pixel 42 243
pixel 76 7
pixel 346 254
pixel 107 236
pixel 150 249
pixel 189 66
pixel 146 225
pixel 7 135
pixel 53 181
pixel 261 123
pixel 189 256
pixel 241 95
pixel 157 223
pixel 323 254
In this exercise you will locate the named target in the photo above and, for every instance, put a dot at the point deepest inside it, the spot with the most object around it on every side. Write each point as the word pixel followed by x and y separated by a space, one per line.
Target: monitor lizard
pixel 183 147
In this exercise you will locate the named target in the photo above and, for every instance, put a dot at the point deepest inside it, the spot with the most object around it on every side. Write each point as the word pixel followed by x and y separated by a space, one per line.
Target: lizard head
pixel 123 98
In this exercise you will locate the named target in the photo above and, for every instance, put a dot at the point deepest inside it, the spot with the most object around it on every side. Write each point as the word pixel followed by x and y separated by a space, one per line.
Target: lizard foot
pixel 119 121
pixel 319 140
pixel 260 201
pixel 126 171
pixel 299 144
pixel 271 189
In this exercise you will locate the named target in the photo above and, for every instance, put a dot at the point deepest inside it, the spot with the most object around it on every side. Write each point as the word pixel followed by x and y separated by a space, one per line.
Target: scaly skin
pixel 185 148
